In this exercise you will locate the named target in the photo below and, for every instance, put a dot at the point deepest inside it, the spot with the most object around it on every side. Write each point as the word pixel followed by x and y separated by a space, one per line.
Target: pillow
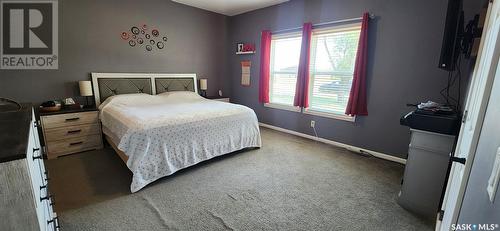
pixel 126 98
pixel 180 95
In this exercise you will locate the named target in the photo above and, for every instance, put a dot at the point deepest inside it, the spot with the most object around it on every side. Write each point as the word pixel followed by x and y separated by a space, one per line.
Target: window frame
pixel 295 34
pixel 309 111
pixel 323 31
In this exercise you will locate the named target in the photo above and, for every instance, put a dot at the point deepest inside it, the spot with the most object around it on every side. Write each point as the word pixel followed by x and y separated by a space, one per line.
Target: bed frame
pixel 109 84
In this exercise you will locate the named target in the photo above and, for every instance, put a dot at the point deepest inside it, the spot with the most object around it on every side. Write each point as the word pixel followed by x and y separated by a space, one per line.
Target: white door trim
pixel 477 101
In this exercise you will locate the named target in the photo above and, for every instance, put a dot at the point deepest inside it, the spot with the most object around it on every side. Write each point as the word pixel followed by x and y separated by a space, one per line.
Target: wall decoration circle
pixel 138 35
pixel 135 30
pixel 160 45
pixel 125 35
pixel 155 32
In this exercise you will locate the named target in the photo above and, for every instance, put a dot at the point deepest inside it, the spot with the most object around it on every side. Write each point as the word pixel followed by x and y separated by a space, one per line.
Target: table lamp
pixel 203 87
pixel 86 91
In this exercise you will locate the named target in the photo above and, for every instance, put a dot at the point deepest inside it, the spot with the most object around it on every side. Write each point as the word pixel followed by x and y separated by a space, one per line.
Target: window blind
pixel 285 52
pixel 333 54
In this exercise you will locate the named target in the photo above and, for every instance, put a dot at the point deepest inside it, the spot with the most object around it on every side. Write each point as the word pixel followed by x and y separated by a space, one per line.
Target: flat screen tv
pixel 452 35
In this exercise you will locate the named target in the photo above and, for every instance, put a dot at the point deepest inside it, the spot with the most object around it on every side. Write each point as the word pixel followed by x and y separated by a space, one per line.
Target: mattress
pixel 161 134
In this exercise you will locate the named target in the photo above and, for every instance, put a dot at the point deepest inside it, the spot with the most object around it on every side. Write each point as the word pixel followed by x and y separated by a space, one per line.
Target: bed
pixel 158 124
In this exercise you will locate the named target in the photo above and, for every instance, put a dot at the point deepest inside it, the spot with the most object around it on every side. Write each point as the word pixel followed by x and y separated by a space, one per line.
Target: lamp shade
pixel 203 84
pixel 85 88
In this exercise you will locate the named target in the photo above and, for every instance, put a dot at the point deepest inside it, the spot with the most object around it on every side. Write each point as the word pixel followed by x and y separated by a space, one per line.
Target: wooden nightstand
pixel 71 131
pixel 218 98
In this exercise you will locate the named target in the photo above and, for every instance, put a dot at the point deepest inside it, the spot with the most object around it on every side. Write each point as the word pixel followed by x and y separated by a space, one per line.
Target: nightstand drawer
pixel 71 132
pixel 70 119
pixel 72 145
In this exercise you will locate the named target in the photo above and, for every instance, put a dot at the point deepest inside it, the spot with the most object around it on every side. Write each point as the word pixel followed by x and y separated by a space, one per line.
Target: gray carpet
pixel 289 184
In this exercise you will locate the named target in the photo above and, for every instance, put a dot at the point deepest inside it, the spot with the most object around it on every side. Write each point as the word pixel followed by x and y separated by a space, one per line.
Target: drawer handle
pixel 52 200
pixel 72 119
pixel 43 186
pixel 47 178
pixel 45 198
pixel 37 157
pixel 76 143
pixel 55 223
pixel 75 131
pixel 458 160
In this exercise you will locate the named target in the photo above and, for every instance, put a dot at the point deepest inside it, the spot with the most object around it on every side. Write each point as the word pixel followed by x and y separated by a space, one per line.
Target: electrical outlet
pixel 313 123
pixel 492 186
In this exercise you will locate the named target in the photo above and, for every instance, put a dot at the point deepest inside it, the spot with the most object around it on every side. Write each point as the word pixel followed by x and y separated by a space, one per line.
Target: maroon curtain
pixel 302 87
pixel 357 98
pixel 265 63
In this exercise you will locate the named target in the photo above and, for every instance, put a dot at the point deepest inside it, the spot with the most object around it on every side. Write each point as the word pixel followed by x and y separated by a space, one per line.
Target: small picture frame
pixel 245 73
pixel 248 47
pixel 239 47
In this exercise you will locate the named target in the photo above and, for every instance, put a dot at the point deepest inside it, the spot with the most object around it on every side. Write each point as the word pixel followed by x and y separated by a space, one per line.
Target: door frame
pixel 456 203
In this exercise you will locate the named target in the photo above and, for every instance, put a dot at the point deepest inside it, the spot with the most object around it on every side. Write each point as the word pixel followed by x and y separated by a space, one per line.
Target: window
pixel 332 58
pixel 285 55
pixel 333 54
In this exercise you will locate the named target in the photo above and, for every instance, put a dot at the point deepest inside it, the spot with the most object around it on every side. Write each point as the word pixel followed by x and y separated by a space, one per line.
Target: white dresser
pixel 25 200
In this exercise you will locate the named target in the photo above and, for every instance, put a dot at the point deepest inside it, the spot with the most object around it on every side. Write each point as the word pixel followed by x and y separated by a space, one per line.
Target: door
pixel 477 100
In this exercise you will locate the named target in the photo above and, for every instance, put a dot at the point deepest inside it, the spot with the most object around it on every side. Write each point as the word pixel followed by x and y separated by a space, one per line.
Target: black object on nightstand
pixel 218 98
pixel 66 110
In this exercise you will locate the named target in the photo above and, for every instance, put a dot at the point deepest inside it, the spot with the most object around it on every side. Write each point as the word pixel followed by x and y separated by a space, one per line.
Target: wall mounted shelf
pixel 245 53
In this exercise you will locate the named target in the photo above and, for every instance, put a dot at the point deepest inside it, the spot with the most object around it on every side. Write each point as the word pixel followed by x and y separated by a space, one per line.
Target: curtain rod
pixel 372 16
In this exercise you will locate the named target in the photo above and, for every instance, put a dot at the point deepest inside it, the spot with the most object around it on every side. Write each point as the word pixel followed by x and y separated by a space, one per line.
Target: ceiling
pixel 230 7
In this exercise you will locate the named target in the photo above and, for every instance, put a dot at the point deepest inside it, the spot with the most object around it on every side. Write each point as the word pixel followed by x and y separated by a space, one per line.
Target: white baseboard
pixel 338 144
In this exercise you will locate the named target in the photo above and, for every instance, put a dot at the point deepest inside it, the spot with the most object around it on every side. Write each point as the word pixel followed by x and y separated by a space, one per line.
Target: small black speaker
pixel 452 35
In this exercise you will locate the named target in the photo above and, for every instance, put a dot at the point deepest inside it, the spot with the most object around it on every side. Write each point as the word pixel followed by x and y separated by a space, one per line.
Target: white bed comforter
pixel 168 132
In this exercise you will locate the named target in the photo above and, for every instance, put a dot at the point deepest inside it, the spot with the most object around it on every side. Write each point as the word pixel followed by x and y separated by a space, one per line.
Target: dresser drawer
pixel 70 119
pixel 73 145
pixel 433 142
pixel 62 133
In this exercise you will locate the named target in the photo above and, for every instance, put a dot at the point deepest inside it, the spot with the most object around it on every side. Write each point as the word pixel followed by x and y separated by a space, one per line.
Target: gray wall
pixel 404 48
pixel 89 41
pixel 476 207
pixel 405 41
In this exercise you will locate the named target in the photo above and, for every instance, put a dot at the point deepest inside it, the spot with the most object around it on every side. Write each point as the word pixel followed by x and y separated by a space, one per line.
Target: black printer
pixel 439 120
